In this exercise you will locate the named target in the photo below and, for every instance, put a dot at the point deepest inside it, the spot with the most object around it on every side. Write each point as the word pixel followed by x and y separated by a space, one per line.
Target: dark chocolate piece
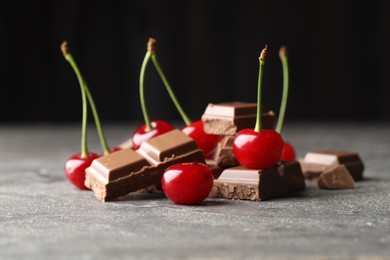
pixel 231 117
pixel 120 173
pixel 316 163
pixel 256 185
pixel 224 155
pixel 336 178
pixel 170 148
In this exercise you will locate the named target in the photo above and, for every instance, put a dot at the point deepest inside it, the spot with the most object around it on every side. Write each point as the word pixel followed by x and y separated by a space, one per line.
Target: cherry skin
pixel 140 135
pixel 288 152
pixel 75 169
pixel 205 142
pixel 187 183
pixel 258 150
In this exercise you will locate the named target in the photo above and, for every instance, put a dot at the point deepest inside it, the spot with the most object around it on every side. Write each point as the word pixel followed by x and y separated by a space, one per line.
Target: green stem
pixel 84 148
pixel 141 91
pixel 259 87
pixel 103 141
pixel 184 116
pixel 283 104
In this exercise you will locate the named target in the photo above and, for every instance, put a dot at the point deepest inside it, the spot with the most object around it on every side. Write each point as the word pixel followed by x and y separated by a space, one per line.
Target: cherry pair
pixel 206 142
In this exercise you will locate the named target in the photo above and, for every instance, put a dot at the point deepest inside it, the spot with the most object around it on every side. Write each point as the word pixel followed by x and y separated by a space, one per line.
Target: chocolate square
pixel 257 185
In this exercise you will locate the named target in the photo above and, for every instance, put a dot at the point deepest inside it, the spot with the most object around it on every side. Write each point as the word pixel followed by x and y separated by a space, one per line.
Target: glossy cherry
pixel 258 150
pixel 288 152
pixel 187 183
pixel 206 142
pixel 75 169
pixel 158 127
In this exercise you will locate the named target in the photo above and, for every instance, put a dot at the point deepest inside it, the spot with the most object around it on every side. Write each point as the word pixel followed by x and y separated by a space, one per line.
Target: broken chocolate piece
pixel 256 185
pixel 170 148
pixel 224 156
pixel 215 169
pixel 336 178
pixel 231 117
pixel 119 173
pixel 316 163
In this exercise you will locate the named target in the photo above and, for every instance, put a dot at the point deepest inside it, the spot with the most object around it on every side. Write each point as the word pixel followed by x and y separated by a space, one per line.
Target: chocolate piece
pixel 224 156
pixel 170 148
pixel 336 178
pixel 231 117
pixel 126 144
pixel 120 173
pixel 316 163
pixel 256 185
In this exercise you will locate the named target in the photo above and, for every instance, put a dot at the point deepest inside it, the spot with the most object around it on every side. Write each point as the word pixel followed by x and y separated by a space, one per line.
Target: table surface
pixel 44 217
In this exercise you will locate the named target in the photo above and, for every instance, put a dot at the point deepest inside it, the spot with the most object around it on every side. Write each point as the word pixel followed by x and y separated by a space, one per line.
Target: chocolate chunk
pixel 224 155
pixel 316 163
pixel 120 173
pixel 170 148
pixel 231 117
pixel 215 169
pixel 256 185
pixel 336 178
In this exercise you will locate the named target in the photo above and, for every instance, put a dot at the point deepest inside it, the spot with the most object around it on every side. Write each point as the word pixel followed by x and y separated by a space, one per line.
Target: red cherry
pixel 206 142
pixel 258 150
pixel 75 169
pixel 288 153
pixel 187 183
pixel 115 149
pixel 140 135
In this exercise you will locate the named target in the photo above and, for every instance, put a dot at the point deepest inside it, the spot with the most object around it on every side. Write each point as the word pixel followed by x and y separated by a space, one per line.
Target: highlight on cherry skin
pixel 187 183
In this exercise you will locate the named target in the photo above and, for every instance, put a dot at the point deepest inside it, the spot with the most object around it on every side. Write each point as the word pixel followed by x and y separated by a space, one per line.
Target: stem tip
pixel 283 52
pixel 263 53
pixel 151 46
pixel 65 48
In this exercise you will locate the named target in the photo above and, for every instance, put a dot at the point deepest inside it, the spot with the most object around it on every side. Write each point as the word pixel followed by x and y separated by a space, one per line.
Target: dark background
pixel 338 50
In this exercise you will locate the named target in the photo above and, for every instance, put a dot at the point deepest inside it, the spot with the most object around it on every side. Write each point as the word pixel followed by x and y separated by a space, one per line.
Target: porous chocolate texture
pixel 258 185
pixel 231 117
pixel 315 163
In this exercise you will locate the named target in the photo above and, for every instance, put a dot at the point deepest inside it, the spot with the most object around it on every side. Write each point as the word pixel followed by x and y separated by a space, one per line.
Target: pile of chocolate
pixel 125 171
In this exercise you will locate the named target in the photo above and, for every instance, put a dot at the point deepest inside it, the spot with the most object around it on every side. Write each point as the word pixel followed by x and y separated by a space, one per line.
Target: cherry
pixel 288 153
pixel 256 148
pixel 158 127
pixel 187 183
pixel 75 169
pixel 205 142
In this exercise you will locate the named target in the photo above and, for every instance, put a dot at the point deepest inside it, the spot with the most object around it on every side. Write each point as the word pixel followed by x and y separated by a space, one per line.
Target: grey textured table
pixel 43 217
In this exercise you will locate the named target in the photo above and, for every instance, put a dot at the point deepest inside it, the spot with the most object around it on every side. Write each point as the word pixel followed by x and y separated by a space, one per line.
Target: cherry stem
pixel 152 50
pixel 103 141
pixel 69 58
pixel 141 92
pixel 262 58
pixel 283 105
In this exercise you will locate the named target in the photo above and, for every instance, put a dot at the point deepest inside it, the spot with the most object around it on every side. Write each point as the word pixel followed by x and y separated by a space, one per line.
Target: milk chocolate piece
pixel 215 169
pixel 224 155
pixel 119 173
pixel 170 148
pixel 336 178
pixel 316 163
pixel 231 117
pixel 256 185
